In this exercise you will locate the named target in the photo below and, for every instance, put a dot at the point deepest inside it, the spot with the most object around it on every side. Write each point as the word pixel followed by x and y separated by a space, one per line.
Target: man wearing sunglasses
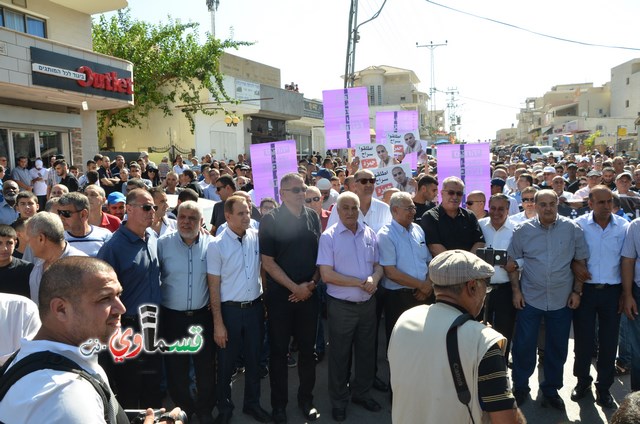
pixel 528 206
pixel 225 187
pixel 313 200
pixel 289 237
pixel 448 226
pixel 73 210
pixel 132 252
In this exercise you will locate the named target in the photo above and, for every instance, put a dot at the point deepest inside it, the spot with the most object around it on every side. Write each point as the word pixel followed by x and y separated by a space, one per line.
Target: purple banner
pixel 390 122
pixel 346 117
pixel 469 162
pixel 270 162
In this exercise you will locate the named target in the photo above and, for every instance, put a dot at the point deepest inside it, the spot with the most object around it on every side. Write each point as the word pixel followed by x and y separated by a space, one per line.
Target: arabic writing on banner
pixel 469 162
pixel 395 122
pixel 270 162
pixel 396 176
pixel 346 117
pixel 375 155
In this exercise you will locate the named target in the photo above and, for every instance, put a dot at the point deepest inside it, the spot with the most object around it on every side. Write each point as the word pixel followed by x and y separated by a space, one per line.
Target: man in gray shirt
pixel 544 248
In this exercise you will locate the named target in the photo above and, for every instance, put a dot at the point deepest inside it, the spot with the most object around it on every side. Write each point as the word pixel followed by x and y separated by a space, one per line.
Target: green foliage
pixel 170 67
pixel 590 141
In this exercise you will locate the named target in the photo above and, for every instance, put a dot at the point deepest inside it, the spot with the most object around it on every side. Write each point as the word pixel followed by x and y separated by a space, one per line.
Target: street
pixel 584 411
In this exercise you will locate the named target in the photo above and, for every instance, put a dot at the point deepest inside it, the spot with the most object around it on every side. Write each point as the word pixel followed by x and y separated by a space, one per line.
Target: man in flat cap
pixel 450 338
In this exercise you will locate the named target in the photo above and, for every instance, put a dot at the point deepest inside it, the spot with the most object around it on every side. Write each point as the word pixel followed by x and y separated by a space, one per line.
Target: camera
pixel 137 416
pixel 492 256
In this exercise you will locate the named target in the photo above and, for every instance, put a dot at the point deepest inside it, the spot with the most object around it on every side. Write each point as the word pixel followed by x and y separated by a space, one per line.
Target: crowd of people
pixel 551 246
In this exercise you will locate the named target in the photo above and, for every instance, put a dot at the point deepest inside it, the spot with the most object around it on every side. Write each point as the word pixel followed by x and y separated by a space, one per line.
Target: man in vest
pixel 421 369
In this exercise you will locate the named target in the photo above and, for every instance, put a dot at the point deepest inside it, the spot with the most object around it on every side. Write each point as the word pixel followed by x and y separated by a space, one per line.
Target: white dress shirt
pixel 497 239
pixel 377 216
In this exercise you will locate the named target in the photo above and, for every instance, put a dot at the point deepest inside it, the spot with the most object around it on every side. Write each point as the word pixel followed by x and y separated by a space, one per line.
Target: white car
pixel 539 151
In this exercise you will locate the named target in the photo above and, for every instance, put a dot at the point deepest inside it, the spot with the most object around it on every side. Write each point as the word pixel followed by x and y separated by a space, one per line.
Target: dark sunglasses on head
pixel 455 193
pixel 367 180
pixel 296 190
pixel 146 208
pixel 66 214
pixel 312 199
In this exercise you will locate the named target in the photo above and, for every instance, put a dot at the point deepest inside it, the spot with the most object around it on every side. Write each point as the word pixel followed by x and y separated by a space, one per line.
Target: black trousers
pixel 174 325
pixel 288 319
pixel 500 312
pixel 136 382
pixel 395 303
pixel 600 304
pixel 245 334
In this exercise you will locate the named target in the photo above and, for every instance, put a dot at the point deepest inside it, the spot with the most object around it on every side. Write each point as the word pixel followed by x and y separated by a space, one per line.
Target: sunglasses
pixel 66 214
pixel 472 202
pixel 146 208
pixel 218 188
pixel 455 193
pixel 364 181
pixel 296 190
pixel 527 199
pixel 312 199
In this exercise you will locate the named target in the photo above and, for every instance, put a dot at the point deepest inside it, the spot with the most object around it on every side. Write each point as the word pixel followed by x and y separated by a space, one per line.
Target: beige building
pixel 390 89
pixel 52 83
pixel 265 113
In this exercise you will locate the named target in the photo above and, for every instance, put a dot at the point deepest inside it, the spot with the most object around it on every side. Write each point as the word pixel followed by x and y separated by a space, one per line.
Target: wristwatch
pixel 579 293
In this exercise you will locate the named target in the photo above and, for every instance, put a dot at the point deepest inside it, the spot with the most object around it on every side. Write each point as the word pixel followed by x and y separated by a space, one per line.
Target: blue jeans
pixel 558 325
pixel 633 339
pixel 624 354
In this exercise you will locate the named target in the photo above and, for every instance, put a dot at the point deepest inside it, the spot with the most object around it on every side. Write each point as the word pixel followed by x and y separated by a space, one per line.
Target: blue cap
pixel 116 197
pixel 324 173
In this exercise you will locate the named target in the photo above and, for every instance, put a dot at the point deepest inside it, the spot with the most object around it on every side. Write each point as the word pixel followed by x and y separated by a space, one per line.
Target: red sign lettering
pixel 108 81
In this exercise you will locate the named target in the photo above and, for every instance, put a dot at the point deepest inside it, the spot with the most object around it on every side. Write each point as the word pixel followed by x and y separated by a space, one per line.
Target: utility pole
pixel 354 37
pixel 212 6
pixel 432 89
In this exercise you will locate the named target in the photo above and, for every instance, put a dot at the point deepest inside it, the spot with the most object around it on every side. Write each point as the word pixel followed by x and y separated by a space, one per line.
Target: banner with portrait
pixel 375 155
pixel 396 176
pixel 395 122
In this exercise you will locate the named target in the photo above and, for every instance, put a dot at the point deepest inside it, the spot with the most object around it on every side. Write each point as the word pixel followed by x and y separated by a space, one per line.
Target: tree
pixel 170 66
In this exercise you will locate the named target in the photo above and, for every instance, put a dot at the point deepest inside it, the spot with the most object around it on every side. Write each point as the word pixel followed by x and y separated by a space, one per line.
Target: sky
pixel 494 68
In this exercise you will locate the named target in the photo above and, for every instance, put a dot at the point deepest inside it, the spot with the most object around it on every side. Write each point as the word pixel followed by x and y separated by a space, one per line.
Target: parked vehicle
pixel 541 151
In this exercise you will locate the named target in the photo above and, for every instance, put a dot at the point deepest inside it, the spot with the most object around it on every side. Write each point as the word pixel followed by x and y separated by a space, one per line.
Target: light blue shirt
pixel 211 193
pixel 183 272
pixel 631 247
pixel 252 224
pixel 349 254
pixel 404 249
pixel 605 248
pixel 7 213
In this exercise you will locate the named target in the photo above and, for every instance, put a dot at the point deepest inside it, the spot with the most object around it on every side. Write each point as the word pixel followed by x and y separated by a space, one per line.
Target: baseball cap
pixel 143 154
pixel 323 184
pixel 498 182
pixel 549 169
pixel 625 174
pixel 594 173
pixel 324 173
pixel 453 267
pixel 116 197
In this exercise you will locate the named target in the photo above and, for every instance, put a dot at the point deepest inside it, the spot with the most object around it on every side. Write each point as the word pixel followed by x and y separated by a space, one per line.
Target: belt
pixel 185 313
pixel 349 302
pixel 243 305
pixel 405 290
pixel 497 286
pixel 600 286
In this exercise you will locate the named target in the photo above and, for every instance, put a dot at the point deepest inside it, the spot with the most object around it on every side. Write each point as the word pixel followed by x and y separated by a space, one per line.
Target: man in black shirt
pixel 289 237
pixel 449 226
pixel 425 197
pixel 14 272
pixel 67 179
pixel 225 186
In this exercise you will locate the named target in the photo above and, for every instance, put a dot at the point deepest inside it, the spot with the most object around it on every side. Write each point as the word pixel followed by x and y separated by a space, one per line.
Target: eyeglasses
pixel 296 190
pixel 66 214
pixel 409 208
pixel 486 284
pixel 312 199
pixel 472 202
pixel 218 188
pixel 453 193
pixel 365 181
pixel 146 208
pixel 525 199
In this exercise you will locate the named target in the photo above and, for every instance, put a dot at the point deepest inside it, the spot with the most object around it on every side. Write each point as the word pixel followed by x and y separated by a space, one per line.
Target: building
pixel 52 83
pixel 264 113
pixel 392 89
